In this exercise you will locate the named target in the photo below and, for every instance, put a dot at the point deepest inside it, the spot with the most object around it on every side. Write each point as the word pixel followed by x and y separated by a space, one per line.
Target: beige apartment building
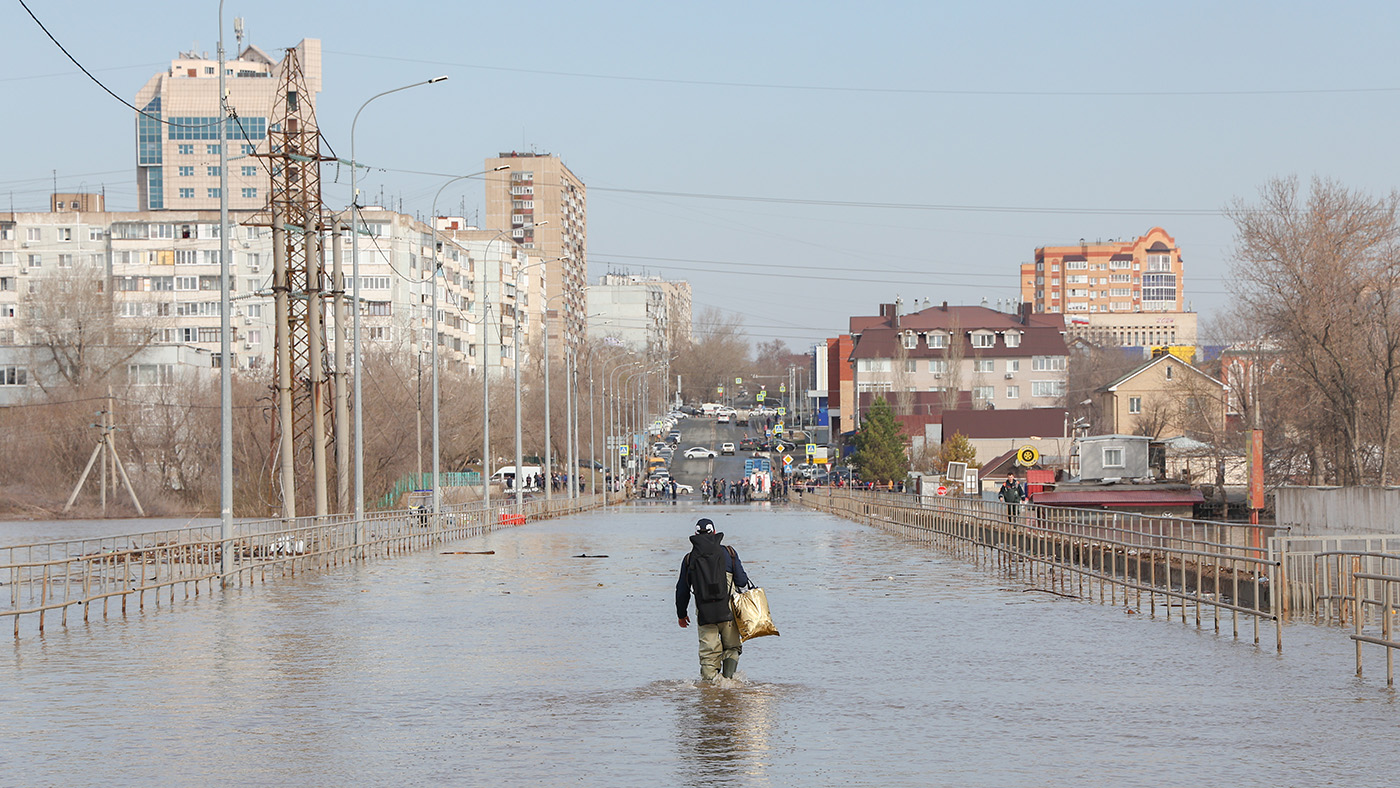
pixel 1143 274
pixel 1134 329
pixel 177 163
pixel 544 206
pixel 162 269
pixel 1163 398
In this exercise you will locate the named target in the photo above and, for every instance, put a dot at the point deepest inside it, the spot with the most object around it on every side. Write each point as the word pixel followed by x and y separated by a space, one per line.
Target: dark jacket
pixel 1010 492
pixel 715 611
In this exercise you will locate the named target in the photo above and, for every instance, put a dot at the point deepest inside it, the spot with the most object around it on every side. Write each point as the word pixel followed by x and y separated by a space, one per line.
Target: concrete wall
pixel 1338 510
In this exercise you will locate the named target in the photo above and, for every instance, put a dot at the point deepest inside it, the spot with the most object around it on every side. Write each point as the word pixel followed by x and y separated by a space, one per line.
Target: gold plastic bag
pixel 751 614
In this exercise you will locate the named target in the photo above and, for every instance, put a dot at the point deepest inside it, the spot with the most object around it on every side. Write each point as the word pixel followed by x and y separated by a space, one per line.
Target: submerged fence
pixel 1205 570
pixel 115 574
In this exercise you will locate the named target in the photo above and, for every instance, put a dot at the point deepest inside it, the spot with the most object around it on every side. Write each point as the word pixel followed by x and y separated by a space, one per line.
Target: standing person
pixel 1011 493
pixel 712 571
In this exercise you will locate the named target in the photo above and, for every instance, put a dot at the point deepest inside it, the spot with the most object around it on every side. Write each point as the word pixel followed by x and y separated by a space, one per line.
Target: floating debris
pixel 470 552
pixel 585 555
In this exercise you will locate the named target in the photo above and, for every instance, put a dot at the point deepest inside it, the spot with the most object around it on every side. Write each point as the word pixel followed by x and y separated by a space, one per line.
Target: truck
pixel 507 475
pixel 759 472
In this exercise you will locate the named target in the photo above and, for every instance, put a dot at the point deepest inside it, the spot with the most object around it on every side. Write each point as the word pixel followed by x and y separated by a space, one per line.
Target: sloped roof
pixel 1145 366
pixel 1024 423
pixel 1041 334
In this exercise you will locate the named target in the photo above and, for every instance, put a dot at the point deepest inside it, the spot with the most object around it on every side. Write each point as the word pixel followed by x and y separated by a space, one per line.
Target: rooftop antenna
pixel 238 32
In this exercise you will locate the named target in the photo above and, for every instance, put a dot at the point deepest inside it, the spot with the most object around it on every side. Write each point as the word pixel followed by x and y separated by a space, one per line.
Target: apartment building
pixel 1143 274
pixel 177 162
pixel 646 314
pixel 1005 360
pixel 505 279
pixel 161 269
pixel 1144 330
pixel 544 206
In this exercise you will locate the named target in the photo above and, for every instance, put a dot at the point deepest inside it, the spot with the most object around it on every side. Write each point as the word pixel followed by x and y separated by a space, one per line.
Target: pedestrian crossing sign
pixel 622 451
pixel 782 411
pixel 811 449
pixel 762 395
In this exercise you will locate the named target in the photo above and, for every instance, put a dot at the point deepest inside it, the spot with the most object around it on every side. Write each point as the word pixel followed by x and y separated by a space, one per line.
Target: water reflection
pixel 897 667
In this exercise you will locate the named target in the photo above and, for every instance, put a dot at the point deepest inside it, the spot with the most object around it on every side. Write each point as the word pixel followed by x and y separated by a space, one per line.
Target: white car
pixel 723 418
pixel 684 489
pixel 699 453
pixel 726 448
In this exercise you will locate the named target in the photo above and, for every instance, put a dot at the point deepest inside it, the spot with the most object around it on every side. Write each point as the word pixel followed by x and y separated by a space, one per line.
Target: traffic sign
pixel 942 490
pixel 1027 456
pixel 811 449
pixel 721 389
pixel 787 459
pixel 782 388
pixel 779 448
pixel 782 411
pixel 738 381
pixel 623 450
pixel 762 395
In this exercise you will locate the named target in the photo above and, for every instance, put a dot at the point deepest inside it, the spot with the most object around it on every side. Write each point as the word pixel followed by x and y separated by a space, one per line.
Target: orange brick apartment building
pixel 1139 275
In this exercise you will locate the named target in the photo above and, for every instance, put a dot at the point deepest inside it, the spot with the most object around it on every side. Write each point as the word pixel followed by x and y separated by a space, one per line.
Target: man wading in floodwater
pixel 712 571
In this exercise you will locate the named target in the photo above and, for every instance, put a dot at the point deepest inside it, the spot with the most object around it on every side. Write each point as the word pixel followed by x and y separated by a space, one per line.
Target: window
pixel 186 171
pixel 1135 404
pixel 938 366
pixel 150 374
pixel 984 365
pixel 250 192
pixel 1169 372
pixel 1047 388
pixel 162 231
pixel 186 149
pixel 378 308
pixel 1013 392
pixel 983 339
pixel 1112 457
pixel 65 234
pixel 1013 365
pixel 911 340
pixel 983 393
pixel 1012 338
pixel 873 365
pixel 247 150
pixel 379 332
pixel 1159 262
pixel 211 256
pixel 7 283
pixel 36 261
pixel 33 234
pixel 939 339
pixel 7 232
pixel 186 283
pixel 214 194
pixel 374 283
pixel 212 150
pixel 253 310
pixel 212 171
pixel 186 257
pixel 1159 287
pixel 11 375
pixel 65 261
pixel 250 170
pixel 1077 279
pixel 1047 363
pixel 1077 265
pixel 94 233
pixel 1120 292
pixel 187 193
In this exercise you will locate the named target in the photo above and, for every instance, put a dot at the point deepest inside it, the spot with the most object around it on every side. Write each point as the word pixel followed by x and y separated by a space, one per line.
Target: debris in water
pixel 470 552
pixel 585 555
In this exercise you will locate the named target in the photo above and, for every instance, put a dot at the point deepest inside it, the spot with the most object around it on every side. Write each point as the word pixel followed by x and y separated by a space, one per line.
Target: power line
pixel 894 91
pixel 106 89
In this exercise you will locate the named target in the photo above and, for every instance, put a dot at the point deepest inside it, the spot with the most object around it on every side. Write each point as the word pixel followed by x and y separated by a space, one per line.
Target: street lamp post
pixel 355 296
pixel 225 335
pixel 436 269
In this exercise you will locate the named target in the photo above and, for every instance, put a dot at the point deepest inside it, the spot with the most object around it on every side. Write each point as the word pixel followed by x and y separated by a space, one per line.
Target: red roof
pixel 1023 423
pixel 1120 498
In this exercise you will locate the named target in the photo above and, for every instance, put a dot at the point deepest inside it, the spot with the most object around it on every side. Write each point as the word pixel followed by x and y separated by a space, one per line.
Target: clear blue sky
pixel 1053 121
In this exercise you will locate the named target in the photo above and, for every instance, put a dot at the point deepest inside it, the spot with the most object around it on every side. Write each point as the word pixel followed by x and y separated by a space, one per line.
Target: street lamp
pixel 355 296
pixel 486 375
pixel 436 268
pixel 515 325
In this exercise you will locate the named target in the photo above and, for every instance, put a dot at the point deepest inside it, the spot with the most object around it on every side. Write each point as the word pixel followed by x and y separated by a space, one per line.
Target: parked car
pixel 674 436
pixel 684 489
pixel 726 448
pixel 699 453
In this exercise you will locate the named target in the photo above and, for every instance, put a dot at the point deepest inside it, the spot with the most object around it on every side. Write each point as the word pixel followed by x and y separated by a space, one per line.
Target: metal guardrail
pixel 55 577
pixel 1223 568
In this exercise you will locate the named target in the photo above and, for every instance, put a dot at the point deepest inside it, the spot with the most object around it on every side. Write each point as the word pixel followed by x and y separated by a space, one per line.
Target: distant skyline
pixel 798 163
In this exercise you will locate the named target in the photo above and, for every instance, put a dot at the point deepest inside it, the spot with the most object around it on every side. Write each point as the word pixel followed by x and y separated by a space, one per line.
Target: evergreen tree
pixel 957 449
pixel 880 442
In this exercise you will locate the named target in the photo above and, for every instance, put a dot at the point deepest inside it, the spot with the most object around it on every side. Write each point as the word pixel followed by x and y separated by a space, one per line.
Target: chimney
pixel 945 306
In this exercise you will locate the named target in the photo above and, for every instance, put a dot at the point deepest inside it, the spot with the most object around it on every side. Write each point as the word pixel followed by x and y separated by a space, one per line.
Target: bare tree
pixel 1317 271
pixel 77 337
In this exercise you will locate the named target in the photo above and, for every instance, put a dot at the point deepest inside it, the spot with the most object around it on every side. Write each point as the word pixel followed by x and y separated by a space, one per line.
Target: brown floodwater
pixel 897 666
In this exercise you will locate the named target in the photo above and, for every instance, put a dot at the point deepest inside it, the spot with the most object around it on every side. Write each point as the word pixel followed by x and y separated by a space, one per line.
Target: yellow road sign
pixel 1027 456
pixel 811 449
pixel 622 451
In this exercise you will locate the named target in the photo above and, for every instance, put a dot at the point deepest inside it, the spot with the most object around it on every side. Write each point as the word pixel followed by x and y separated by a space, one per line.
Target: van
pixel 507 475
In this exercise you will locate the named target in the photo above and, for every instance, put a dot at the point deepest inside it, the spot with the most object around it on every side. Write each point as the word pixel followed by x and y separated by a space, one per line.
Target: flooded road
pixel 896 667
